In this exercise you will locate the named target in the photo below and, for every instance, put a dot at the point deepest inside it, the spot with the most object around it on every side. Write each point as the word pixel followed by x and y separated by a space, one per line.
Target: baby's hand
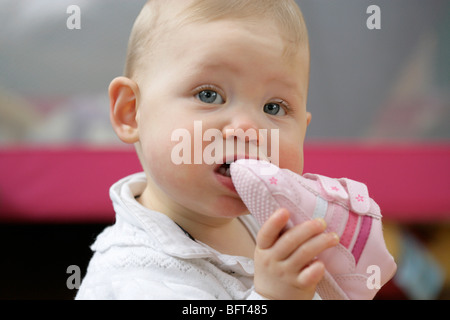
pixel 285 264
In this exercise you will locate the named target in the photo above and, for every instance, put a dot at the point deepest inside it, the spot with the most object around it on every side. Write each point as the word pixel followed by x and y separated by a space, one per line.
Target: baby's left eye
pixel 274 109
pixel 209 96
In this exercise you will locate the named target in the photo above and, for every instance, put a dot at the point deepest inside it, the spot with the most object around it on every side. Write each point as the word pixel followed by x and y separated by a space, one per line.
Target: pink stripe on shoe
pixel 350 227
pixel 363 235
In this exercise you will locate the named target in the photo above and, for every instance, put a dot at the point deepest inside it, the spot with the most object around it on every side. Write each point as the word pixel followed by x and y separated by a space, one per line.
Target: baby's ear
pixel 123 96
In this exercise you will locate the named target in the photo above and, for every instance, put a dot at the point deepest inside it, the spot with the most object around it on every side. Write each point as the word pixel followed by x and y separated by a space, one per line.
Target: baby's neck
pixel 232 238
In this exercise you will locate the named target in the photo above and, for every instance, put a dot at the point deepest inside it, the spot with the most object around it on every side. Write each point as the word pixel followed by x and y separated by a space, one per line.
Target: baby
pixel 181 230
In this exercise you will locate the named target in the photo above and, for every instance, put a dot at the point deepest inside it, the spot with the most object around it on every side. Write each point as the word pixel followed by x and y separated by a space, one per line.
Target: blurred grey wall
pixel 390 84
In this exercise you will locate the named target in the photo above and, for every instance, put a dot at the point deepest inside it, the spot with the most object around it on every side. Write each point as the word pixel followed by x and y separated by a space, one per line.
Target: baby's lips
pixel 262 156
pixel 252 150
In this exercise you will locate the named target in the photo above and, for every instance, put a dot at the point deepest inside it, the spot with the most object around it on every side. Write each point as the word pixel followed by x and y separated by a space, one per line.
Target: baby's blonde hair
pixel 153 22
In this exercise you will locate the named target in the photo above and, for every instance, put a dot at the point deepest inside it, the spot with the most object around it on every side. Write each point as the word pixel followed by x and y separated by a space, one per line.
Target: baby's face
pixel 219 76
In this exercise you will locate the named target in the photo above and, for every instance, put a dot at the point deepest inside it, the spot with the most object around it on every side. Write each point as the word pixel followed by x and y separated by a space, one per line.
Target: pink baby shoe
pixel 360 264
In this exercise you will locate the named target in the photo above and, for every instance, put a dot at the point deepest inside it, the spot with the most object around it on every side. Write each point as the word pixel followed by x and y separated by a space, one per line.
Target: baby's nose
pixel 248 134
pixel 244 130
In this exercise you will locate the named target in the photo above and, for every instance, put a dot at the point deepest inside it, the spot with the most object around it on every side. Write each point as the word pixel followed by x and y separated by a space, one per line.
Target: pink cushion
pixel 71 184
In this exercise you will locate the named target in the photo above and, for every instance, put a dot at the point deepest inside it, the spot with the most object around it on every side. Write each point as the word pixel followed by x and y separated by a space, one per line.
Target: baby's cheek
pixel 165 170
pixel 291 157
pixel 157 155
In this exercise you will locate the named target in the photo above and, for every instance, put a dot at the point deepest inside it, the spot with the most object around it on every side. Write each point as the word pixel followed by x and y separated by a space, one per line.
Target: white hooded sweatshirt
pixel 145 255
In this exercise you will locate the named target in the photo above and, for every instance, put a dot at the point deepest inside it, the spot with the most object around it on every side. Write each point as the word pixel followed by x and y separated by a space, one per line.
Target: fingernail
pixel 335 237
pixel 280 212
pixel 322 222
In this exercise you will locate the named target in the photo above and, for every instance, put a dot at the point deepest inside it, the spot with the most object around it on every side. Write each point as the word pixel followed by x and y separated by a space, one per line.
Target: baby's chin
pixel 233 210
pixel 230 208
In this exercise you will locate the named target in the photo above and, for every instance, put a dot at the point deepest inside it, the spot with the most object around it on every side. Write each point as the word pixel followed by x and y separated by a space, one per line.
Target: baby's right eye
pixel 209 96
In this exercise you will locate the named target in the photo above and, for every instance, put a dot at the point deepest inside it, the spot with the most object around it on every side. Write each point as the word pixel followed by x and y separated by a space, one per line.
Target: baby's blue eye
pixel 209 96
pixel 274 109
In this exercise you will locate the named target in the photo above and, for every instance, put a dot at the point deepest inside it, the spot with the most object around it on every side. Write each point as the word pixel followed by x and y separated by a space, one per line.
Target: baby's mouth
pixel 224 170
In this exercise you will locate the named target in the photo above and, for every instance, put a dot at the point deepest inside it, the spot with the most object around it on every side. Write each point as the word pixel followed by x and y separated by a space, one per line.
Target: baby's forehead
pixel 160 18
pixel 284 14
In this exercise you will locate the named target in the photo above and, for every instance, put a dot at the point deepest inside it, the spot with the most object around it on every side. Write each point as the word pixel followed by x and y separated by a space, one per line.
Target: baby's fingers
pixel 271 229
pixel 312 248
pixel 311 275
pixel 295 237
